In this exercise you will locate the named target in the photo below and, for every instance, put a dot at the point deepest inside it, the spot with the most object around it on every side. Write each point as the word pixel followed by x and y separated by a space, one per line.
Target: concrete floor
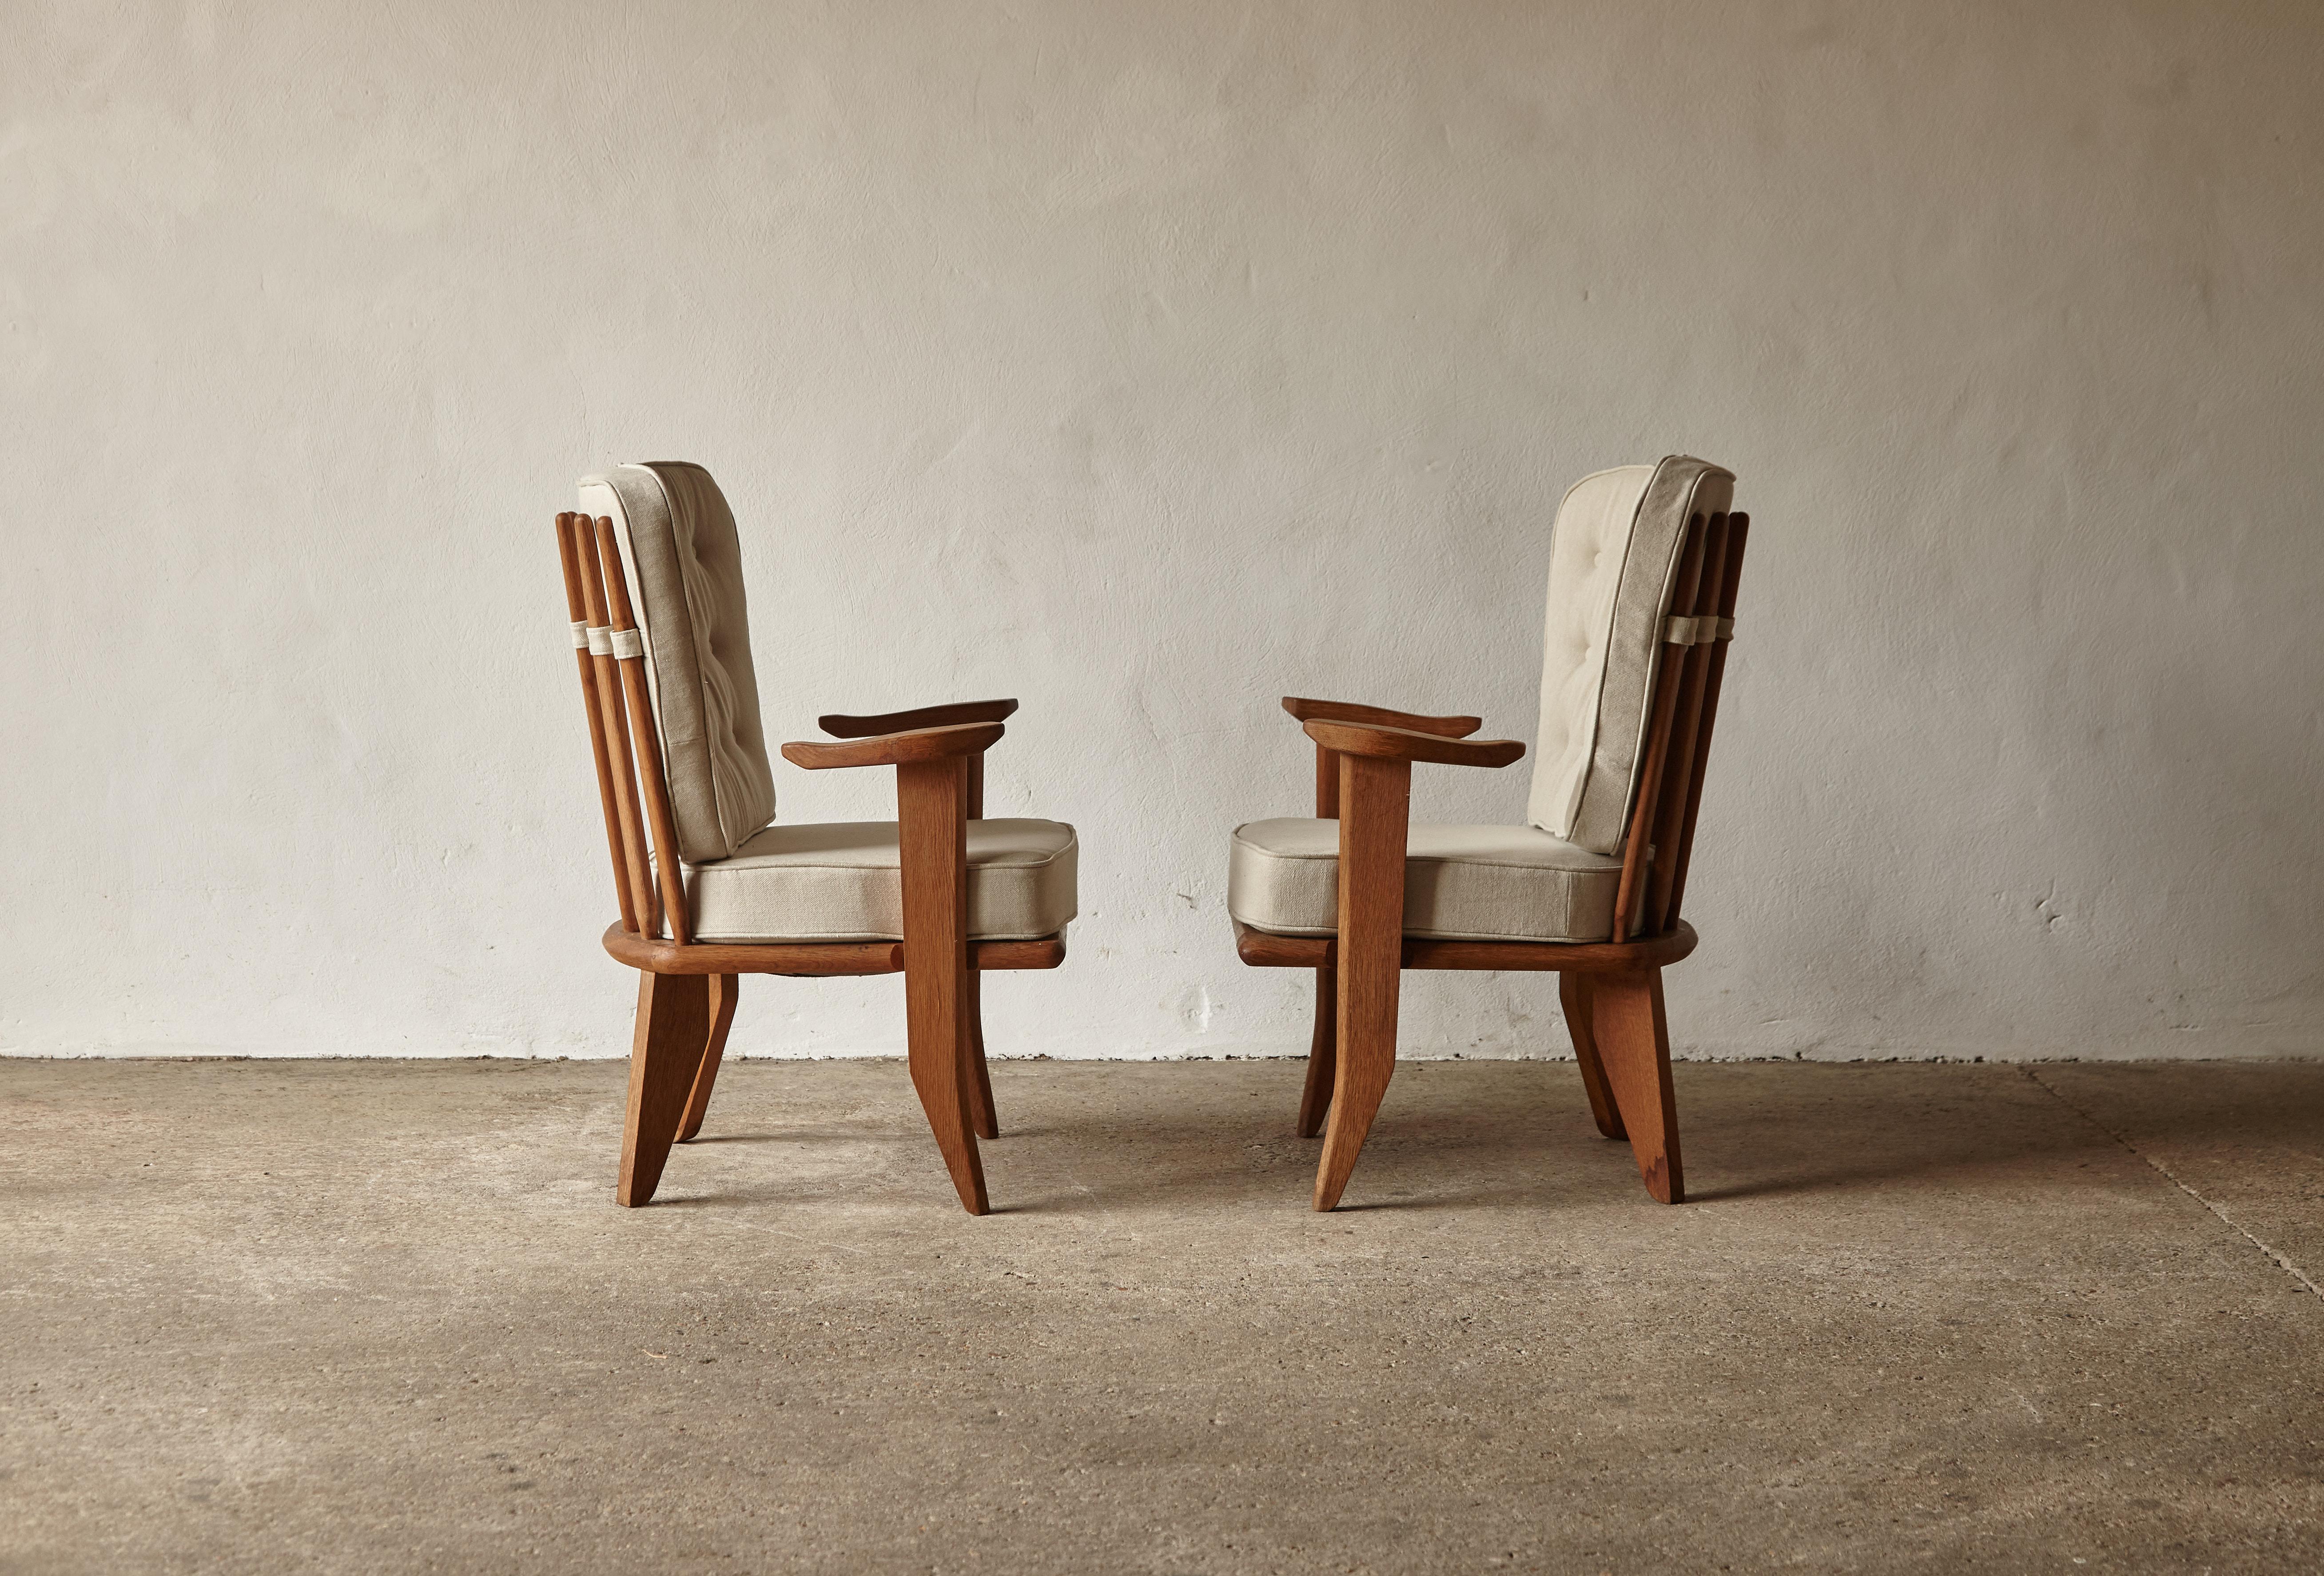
pixel 266 1315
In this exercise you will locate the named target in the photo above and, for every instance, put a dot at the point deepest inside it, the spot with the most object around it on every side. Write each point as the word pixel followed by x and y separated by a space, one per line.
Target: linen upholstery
pixel 842 882
pixel 1460 882
pixel 1613 560
pixel 684 561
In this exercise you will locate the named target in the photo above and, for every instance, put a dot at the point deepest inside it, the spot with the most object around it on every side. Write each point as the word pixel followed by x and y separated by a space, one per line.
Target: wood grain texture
pixel 1633 1040
pixel 1327 783
pixel 645 737
pixel 1377 744
pixel 1573 995
pixel 1739 530
pixel 1375 807
pixel 896 749
pixel 1638 848
pixel 628 817
pixel 813 959
pixel 1322 1055
pixel 932 805
pixel 1679 761
pixel 673 1026
pixel 1263 950
pixel 722 992
pixel 981 1114
pixel 1339 711
pixel 577 611
pixel 841 726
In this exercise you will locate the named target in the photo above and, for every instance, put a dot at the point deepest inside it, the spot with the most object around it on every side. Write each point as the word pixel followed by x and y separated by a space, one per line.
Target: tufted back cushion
pixel 685 567
pixel 1613 555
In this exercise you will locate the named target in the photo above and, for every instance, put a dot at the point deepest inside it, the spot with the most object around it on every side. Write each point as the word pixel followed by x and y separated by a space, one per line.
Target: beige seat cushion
pixel 1460 884
pixel 683 560
pixel 1613 557
pixel 842 881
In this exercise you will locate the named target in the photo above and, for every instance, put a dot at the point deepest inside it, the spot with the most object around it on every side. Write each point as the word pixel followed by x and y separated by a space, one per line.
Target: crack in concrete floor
pixel 2281 1259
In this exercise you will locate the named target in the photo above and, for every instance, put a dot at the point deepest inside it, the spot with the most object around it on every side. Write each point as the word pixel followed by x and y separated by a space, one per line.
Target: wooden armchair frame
pixel 686 988
pixel 1611 991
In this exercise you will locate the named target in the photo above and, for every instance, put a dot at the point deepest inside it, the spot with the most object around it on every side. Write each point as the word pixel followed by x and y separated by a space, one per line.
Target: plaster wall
pixel 1149 362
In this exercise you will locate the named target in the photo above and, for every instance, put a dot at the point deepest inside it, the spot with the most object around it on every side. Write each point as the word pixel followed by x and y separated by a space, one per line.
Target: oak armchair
pixel 1644 565
pixel 711 886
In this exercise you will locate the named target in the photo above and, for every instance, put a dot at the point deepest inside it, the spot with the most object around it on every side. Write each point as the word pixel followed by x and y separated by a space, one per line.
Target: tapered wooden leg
pixel 1573 995
pixel 673 1026
pixel 981 1115
pixel 1323 1055
pixel 723 988
pixel 932 799
pixel 1375 806
pixel 1634 1044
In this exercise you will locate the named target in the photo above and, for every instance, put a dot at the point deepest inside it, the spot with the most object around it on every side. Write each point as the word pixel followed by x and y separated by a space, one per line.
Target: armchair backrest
pixel 1614 560
pixel 683 557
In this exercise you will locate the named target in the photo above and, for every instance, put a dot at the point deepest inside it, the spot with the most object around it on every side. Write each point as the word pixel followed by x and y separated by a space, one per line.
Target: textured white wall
pixel 1150 362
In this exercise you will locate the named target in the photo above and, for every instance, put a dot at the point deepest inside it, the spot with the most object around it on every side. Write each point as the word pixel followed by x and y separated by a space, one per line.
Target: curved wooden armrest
pixel 944 716
pixel 1340 710
pixel 1405 744
pixel 897 749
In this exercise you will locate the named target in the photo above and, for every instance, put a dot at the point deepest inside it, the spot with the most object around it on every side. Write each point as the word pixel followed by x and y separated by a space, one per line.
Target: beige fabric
pixel 1460 882
pixel 1613 556
pixel 842 882
pixel 684 562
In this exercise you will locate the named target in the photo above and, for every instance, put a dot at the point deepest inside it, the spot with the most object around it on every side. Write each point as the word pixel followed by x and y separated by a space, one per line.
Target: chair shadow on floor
pixel 1444 1143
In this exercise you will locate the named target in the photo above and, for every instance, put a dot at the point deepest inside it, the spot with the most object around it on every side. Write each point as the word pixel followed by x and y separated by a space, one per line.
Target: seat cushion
pixel 1460 882
pixel 842 881
pixel 683 560
pixel 1613 558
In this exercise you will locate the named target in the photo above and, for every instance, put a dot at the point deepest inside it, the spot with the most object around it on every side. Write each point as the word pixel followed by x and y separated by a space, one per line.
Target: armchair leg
pixel 1573 995
pixel 1633 1038
pixel 1323 1055
pixel 723 988
pixel 673 1027
pixel 981 1115
pixel 1375 806
pixel 932 799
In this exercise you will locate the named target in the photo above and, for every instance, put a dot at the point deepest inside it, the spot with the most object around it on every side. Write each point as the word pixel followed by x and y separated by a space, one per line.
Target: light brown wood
pixel 1362 739
pixel 1739 530
pixel 576 611
pixel 1632 1040
pixel 1375 808
pixel 842 726
pixel 813 959
pixel 723 991
pixel 932 807
pixel 1264 950
pixel 673 1026
pixel 1638 847
pixel 1573 995
pixel 981 1114
pixel 1327 783
pixel 1338 711
pixel 628 817
pixel 896 749
pixel 1322 1055
pixel 645 737
pixel 1679 759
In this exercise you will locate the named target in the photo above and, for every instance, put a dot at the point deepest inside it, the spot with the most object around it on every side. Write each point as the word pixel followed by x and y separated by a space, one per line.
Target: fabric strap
pixel 580 636
pixel 601 641
pixel 626 643
pixel 1697 631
